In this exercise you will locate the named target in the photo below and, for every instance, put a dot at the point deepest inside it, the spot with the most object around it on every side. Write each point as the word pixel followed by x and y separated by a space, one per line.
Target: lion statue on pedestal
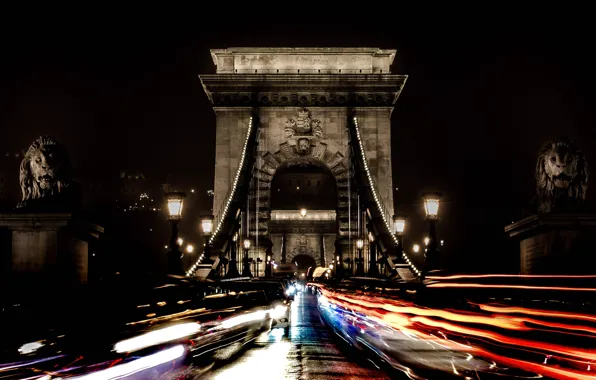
pixel 561 177
pixel 45 176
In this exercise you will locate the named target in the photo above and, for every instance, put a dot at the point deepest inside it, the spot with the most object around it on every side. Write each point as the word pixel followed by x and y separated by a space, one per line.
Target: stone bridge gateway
pixel 299 117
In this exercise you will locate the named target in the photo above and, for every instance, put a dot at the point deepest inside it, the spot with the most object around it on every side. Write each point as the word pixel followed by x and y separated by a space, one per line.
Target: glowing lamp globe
pixel 303 212
pixel 247 243
pixel 431 206
pixel 175 205
pixel 207 224
pixel 360 243
pixel 399 225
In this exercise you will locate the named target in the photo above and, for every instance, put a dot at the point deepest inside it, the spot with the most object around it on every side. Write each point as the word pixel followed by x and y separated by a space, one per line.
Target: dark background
pixel 480 100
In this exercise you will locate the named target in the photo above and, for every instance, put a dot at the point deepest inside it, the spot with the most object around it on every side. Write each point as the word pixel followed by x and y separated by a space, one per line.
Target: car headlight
pixel 278 311
pixel 291 290
pixel 156 337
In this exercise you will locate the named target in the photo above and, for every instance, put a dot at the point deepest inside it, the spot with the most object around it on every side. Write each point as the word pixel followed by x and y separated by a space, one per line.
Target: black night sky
pixel 478 104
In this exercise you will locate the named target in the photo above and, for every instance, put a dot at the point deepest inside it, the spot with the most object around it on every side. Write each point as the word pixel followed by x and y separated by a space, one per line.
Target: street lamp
pixel 416 248
pixel 258 260
pixel 190 248
pixel 373 271
pixel 245 261
pixel 206 230
pixel 303 212
pixel 233 266
pixel 207 225
pixel 175 201
pixel 268 266
pixel 399 226
pixel 431 207
pixel 360 267
pixel 426 240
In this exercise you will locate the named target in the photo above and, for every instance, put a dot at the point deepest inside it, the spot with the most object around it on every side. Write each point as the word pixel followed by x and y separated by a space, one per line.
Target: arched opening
pixel 310 187
pixel 304 262
pixel 303 215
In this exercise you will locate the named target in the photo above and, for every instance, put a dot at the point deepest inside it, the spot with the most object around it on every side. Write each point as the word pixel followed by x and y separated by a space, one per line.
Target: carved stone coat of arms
pixel 303 132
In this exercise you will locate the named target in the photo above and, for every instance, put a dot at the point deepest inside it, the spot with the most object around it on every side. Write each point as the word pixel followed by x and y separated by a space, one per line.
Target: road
pixel 310 352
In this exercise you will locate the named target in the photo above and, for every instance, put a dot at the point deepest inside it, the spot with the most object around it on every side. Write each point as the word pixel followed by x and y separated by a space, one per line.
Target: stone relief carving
pixel 45 176
pixel 303 247
pixel 303 132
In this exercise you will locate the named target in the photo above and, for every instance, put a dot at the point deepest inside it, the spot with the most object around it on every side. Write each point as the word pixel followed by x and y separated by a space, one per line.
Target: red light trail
pixel 500 320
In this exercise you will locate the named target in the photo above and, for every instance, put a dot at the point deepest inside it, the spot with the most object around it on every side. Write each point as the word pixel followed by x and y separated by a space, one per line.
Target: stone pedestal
pixel 41 251
pixel 555 243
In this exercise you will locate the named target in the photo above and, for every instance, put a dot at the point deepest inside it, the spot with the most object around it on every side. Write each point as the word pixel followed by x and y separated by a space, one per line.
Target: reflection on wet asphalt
pixel 309 352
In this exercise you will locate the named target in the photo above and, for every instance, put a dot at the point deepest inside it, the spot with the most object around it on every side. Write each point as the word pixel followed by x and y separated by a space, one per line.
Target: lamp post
pixel 373 271
pixel 257 261
pixel 175 204
pixel 245 261
pixel 350 266
pixel 206 230
pixel 233 267
pixel 339 271
pixel 269 255
pixel 268 265
pixel 431 207
pixel 360 266
pixel 399 226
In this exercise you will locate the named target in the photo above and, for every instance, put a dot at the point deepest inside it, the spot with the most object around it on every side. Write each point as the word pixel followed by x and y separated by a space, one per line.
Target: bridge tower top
pixel 265 60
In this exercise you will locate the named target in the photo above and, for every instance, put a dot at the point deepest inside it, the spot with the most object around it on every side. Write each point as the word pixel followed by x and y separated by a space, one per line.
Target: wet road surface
pixel 310 352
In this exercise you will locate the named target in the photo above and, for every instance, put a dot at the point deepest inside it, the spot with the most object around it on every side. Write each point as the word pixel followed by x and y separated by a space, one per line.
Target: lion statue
pixel 44 173
pixel 561 177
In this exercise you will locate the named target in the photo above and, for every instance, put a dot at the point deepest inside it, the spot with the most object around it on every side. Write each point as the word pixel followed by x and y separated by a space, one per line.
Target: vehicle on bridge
pixel 279 296
pixel 180 326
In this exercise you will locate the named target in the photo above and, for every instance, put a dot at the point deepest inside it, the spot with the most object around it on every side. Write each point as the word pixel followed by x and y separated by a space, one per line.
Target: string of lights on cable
pixel 378 200
pixel 221 218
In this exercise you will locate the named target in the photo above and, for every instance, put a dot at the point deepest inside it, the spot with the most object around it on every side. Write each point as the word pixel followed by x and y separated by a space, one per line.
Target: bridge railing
pixel 386 215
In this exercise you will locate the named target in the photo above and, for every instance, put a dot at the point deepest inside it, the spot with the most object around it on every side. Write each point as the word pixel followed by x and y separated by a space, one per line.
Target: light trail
pixel 498 286
pixel 537 312
pixel 424 323
pixel 530 276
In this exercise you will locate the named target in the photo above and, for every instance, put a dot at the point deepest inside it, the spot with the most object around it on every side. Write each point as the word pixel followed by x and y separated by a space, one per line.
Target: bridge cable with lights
pixel 226 219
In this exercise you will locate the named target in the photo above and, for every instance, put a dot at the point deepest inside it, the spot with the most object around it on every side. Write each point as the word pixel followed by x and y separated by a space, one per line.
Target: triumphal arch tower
pixel 302 197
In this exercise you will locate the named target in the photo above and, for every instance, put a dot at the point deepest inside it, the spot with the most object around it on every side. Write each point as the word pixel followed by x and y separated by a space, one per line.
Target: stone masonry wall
pixel 375 129
pixel 231 128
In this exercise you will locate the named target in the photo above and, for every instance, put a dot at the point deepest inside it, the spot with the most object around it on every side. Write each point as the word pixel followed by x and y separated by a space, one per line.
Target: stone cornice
pixel 304 82
pixel 39 221
pixel 303 89
pixel 554 220
pixel 322 60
